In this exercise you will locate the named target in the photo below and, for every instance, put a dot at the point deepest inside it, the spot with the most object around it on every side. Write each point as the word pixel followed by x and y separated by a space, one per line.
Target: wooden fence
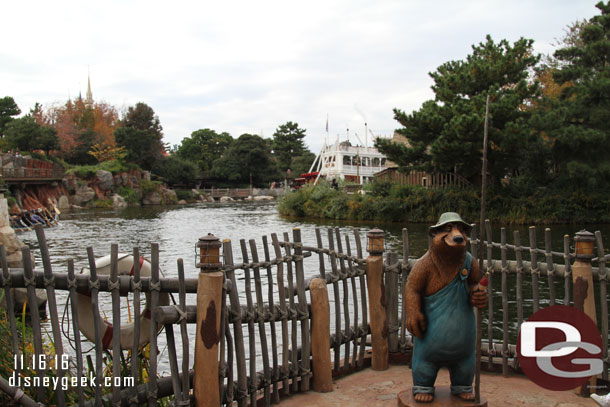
pixel 437 180
pixel 25 173
pixel 264 342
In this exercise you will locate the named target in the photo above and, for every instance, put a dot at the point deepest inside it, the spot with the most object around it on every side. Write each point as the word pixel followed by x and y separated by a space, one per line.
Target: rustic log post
pixel 584 292
pixel 377 301
pixel 209 304
pixel 320 336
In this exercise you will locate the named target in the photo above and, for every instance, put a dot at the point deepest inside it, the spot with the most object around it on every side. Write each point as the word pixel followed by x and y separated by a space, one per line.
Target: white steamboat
pixel 352 163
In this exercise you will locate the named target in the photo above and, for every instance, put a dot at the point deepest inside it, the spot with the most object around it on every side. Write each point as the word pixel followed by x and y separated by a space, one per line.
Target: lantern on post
pixel 584 245
pixel 209 253
pixel 375 243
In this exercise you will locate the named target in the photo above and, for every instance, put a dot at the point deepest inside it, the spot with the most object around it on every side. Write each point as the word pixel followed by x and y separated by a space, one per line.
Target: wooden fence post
pixel 584 292
pixel 377 300
pixel 207 337
pixel 320 336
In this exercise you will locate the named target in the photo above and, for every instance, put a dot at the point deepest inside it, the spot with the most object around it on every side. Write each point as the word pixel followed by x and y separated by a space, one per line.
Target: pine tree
pixel 446 134
pixel 288 143
pixel 577 123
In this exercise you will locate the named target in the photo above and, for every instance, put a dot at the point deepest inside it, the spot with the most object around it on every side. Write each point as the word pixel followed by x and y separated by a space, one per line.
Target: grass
pixel 26 345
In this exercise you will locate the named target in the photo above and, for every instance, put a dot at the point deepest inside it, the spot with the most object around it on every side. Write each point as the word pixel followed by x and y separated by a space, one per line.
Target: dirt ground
pixel 369 388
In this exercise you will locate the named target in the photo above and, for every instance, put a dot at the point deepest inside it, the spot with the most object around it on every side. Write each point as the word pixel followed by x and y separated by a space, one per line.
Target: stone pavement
pixel 369 388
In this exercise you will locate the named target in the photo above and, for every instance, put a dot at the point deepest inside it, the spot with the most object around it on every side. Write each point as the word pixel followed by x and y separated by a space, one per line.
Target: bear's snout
pixel 454 236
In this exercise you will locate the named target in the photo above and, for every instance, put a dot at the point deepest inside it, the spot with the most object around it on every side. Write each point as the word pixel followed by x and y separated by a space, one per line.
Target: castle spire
pixel 89 98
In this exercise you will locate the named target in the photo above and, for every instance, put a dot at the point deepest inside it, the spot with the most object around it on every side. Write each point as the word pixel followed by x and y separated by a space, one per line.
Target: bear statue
pixel 439 296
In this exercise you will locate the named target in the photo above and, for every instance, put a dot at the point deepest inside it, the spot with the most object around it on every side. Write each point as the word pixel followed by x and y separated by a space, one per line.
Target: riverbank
pixel 105 189
pixel 398 203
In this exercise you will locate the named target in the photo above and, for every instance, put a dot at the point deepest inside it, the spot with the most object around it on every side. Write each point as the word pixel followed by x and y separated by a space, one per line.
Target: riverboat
pixel 353 163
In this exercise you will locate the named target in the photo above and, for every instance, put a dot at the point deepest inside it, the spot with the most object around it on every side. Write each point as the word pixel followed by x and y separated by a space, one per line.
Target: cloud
pixel 240 66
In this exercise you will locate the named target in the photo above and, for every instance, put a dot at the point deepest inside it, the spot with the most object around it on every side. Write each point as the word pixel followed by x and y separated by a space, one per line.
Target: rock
pixel 15 210
pixel 181 202
pixel 98 191
pixel 134 182
pixel 118 201
pixel 63 202
pixel 226 199
pixel 20 297
pixel 146 175
pixel 9 239
pixel 195 192
pixel 69 182
pixel 124 177
pixel 152 198
pixel 264 198
pixel 104 180
pixel 83 195
pixel 170 196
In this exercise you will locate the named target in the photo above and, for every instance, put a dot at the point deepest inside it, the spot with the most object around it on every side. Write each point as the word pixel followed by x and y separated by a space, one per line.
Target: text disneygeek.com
pixel 40 362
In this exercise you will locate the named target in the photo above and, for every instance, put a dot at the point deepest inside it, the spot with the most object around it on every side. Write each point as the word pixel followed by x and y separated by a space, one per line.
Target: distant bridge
pixel 240 193
pixel 230 192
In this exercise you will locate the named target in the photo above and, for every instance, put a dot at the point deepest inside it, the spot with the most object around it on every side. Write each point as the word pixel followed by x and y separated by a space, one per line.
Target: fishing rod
pixel 484 281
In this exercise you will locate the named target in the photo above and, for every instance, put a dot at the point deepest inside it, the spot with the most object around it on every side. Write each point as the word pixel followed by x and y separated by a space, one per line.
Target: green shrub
pixel 113 166
pixel 129 194
pixel 149 186
pixel 101 203
pixel 401 203
pixel 185 195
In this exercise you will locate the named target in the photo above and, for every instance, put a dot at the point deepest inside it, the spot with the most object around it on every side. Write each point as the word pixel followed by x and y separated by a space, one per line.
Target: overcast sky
pixel 249 66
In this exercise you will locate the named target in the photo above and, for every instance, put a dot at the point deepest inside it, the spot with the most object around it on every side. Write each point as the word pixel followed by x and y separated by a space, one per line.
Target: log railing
pixel 10 174
pixel 266 313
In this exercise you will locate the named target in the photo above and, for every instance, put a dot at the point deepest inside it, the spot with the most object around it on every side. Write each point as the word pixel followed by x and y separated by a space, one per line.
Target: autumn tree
pixel 141 134
pixel 446 134
pixel 80 126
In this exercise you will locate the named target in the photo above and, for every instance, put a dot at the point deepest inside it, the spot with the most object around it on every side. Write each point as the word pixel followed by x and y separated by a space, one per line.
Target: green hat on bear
pixel 450 217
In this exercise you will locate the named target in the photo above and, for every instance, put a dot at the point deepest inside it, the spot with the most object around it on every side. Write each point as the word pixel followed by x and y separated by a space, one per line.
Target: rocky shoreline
pixel 107 190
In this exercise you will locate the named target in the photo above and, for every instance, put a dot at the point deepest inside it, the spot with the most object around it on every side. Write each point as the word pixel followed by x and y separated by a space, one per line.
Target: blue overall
pixel 449 339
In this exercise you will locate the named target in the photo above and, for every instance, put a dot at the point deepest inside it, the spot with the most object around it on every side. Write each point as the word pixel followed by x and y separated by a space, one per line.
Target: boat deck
pixel 369 388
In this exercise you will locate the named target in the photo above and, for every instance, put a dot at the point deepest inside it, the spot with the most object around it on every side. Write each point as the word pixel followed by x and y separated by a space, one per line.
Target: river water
pixel 178 228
